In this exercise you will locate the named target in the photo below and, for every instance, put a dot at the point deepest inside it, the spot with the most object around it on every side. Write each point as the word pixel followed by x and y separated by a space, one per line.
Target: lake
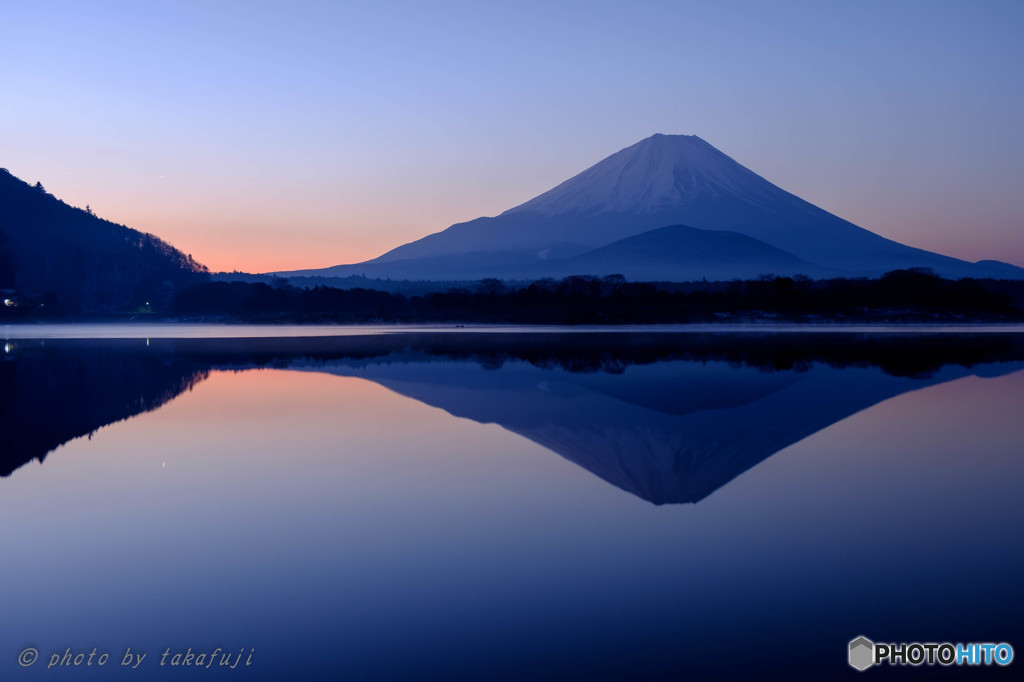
pixel 500 504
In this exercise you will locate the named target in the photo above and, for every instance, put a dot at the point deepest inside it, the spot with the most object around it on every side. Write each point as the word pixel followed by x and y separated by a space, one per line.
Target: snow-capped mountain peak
pixel 660 172
pixel 586 224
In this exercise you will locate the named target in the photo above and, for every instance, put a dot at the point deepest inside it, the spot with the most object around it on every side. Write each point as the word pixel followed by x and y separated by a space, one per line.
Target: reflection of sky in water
pixel 351 532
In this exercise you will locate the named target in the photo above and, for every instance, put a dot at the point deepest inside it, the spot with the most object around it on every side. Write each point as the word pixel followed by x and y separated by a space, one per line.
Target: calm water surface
pixel 416 505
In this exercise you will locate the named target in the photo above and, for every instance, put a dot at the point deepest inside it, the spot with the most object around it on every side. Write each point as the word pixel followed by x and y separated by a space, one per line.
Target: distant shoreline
pixel 899 297
pixel 241 330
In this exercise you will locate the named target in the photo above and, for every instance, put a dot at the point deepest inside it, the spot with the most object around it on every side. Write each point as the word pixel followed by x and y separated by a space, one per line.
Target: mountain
pixel 661 181
pixel 679 253
pixel 60 255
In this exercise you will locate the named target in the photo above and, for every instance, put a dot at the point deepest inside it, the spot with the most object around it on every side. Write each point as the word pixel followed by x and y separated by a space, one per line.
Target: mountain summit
pixel 659 173
pixel 661 181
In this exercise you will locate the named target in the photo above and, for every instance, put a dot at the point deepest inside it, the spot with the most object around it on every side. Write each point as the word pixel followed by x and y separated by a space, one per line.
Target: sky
pixel 263 136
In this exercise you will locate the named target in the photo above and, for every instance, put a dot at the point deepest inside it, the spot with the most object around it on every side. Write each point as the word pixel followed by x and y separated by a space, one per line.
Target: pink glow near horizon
pixel 261 139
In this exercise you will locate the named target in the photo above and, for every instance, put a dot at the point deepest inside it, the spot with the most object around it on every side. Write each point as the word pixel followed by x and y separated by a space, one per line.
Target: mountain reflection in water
pixel 667 417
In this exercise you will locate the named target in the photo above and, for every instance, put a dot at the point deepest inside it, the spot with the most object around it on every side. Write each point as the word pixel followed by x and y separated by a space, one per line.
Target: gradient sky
pixel 265 135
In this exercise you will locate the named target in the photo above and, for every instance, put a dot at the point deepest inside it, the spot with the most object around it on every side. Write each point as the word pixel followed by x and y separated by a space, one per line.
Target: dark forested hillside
pixel 68 258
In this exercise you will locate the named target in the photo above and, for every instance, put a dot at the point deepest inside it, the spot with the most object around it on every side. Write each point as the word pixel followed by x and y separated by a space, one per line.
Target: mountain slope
pixel 662 180
pixel 69 257
pixel 679 252
pixel 673 253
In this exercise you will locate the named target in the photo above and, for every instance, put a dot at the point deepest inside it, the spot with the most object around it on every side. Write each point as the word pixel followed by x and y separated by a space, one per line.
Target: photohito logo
pixel 863 653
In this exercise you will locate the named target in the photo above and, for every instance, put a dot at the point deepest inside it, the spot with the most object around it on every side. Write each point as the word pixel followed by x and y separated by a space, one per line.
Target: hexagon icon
pixel 862 653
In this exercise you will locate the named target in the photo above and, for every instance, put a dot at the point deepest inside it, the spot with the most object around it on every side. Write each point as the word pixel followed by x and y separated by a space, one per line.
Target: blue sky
pixel 265 136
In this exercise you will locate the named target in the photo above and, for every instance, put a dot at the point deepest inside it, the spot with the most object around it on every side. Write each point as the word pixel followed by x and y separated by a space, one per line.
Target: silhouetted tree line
pixel 902 295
